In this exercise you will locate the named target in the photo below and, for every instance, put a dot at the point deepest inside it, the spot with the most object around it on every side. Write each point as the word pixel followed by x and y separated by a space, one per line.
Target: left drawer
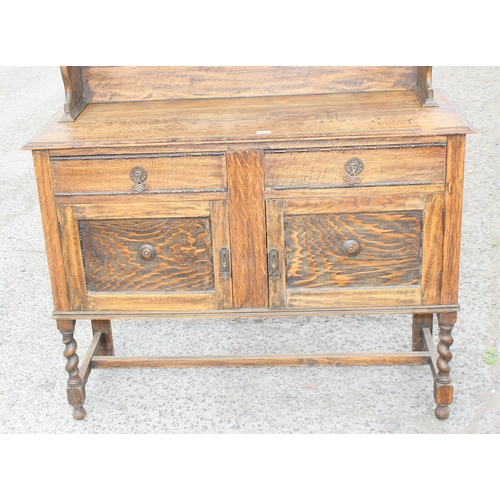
pixel 139 173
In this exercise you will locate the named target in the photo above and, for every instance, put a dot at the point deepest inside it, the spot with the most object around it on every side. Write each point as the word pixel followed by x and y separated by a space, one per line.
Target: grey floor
pixel 243 400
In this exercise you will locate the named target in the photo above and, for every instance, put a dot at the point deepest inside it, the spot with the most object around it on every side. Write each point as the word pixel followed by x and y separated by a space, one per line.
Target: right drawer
pixel 317 168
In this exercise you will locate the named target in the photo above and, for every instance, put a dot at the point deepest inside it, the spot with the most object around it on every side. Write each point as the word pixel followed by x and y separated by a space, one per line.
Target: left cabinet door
pixel 154 256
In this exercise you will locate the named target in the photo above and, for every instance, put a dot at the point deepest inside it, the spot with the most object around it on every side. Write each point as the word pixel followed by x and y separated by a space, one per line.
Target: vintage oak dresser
pixel 181 192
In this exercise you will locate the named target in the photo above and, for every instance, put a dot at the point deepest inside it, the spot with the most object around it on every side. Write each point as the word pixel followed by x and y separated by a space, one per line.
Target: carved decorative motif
pixel 350 148
pixel 139 175
pixel 353 168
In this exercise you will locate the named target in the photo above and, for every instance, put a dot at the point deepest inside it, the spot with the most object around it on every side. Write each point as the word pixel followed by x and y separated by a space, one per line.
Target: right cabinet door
pixel 372 250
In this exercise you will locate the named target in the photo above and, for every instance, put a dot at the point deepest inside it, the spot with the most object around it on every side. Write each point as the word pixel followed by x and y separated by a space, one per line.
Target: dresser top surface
pixel 249 119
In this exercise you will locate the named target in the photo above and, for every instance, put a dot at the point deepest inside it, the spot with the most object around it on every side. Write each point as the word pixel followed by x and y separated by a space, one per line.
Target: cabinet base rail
pixel 443 391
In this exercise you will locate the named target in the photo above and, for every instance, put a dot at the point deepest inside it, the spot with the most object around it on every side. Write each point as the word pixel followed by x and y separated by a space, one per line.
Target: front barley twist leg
pixel 443 390
pixel 75 388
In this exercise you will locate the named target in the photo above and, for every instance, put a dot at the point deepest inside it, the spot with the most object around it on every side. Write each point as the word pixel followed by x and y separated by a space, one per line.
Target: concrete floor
pixel 243 400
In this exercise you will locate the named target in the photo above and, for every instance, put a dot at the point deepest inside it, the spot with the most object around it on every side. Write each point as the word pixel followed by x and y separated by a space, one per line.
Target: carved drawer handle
pixel 353 168
pixel 147 252
pixel 139 175
pixel 350 248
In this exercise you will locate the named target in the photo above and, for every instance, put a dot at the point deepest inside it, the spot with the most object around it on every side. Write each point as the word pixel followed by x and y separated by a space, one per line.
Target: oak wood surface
pixel 389 250
pixel 370 200
pixel 106 346
pixel 353 298
pixel 392 196
pixel 57 273
pixel 322 169
pixel 73 87
pixel 453 218
pixel 183 260
pixel 111 174
pixel 94 347
pixel 262 143
pixel 361 309
pixel 124 302
pixel 247 222
pixel 424 89
pixel 139 83
pixel 397 113
pixel 73 262
pixel 221 239
pixel 419 322
pixel 275 240
pixel 432 255
pixel 335 359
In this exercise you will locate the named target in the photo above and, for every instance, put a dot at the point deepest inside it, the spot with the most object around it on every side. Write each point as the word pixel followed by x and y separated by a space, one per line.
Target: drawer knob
pixel 139 175
pixel 353 168
pixel 147 252
pixel 350 248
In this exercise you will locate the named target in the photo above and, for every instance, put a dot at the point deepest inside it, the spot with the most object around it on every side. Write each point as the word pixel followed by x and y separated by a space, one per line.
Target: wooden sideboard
pixel 181 192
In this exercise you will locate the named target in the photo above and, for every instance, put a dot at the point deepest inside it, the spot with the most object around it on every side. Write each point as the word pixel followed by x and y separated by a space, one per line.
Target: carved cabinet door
pixel 147 256
pixel 356 251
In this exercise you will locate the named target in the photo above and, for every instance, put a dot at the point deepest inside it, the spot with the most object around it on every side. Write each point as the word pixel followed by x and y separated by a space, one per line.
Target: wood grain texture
pixel 111 174
pixel 432 255
pixel 353 298
pixel 144 209
pixel 424 89
pixel 369 201
pixel 73 89
pixel 73 262
pixel 275 240
pixel 106 346
pixel 360 309
pixel 57 273
pixel 248 229
pixel 94 349
pixel 156 199
pixel 420 321
pixel 390 246
pixel 322 169
pixel 112 255
pixel 209 121
pixel 335 359
pixel 126 302
pixel 393 195
pixel 453 217
pixel 262 143
pixel 221 238
pixel 138 83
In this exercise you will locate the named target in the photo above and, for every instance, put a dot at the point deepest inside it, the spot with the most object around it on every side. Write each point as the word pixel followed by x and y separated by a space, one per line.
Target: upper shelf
pixel 248 119
pixel 105 84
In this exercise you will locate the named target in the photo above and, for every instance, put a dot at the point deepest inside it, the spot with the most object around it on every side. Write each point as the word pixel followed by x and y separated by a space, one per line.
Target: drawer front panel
pixel 318 168
pixel 147 255
pixel 353 250
pixel 136 174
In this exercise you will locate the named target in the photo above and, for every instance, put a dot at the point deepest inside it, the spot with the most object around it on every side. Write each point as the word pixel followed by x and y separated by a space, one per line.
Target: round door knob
pixel 350 248
pixel 147 252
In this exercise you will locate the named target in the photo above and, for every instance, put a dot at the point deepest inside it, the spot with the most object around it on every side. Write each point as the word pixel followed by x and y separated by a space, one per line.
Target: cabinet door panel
pixel 388 246
pixel 377 253
pixel 127 257
pixel 147 255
